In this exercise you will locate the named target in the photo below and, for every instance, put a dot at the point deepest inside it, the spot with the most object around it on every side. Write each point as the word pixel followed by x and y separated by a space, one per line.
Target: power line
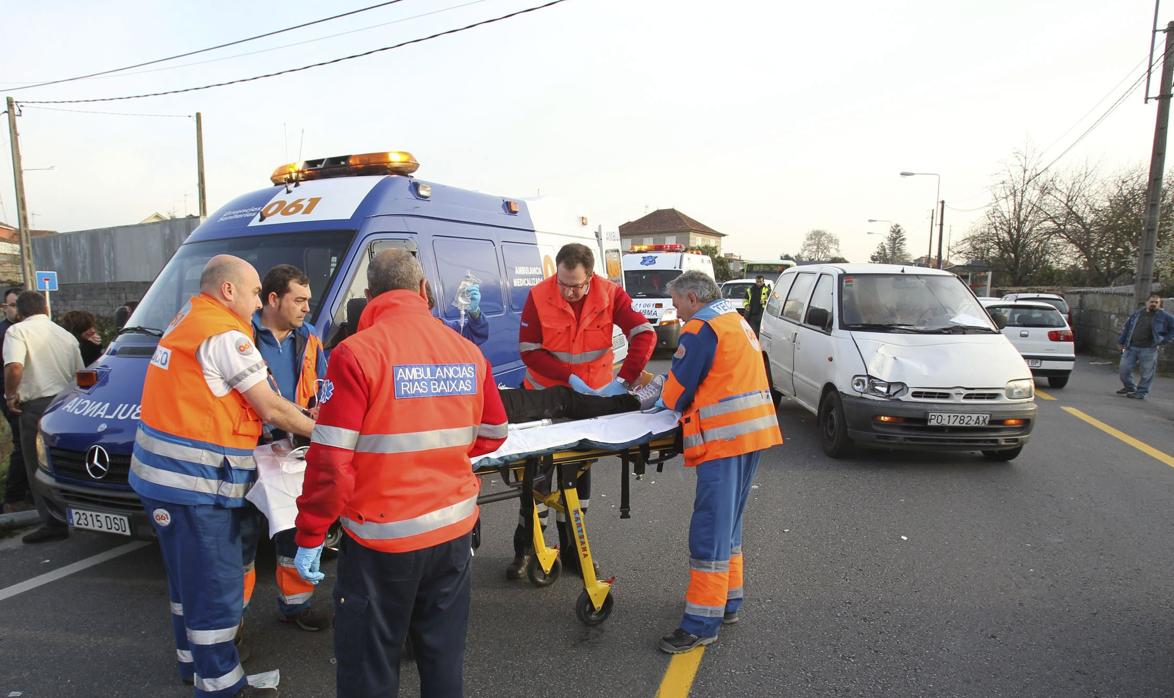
pixel 213 48
pixel 299 43
pixel 110 113
pixel 304 67
pixel 1083 116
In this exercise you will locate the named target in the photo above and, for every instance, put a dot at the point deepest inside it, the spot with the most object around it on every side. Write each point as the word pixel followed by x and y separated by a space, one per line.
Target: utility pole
pixel 22 211
pixel 941 225
pixel 1149 236
pixel 200 166
pixel 929 252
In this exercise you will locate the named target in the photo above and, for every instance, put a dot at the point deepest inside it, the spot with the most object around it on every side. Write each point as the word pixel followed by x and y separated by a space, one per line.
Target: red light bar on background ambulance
pixel 668 247
pixel 396 162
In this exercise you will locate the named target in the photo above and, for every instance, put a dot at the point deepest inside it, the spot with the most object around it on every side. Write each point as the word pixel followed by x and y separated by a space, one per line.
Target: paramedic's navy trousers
pixel 715 535
pixel 382 598
pixel 201 548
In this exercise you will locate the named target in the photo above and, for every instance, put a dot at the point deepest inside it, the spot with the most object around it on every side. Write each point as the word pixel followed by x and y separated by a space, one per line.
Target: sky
pixel 761 120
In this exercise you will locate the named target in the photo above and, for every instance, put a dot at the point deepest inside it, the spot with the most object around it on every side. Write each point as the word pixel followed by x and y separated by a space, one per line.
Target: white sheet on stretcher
pixel 614 430
pixel 278 486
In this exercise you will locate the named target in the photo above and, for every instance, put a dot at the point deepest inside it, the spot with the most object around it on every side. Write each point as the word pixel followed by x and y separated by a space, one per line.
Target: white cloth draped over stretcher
pixel 280 474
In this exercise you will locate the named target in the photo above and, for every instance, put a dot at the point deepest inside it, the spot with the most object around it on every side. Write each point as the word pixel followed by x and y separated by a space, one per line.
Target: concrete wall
pixel 109 255
pixel 100 299
pixel 1098 314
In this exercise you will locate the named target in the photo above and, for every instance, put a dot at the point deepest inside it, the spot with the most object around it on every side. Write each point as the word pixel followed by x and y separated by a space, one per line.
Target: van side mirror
pixel 821 318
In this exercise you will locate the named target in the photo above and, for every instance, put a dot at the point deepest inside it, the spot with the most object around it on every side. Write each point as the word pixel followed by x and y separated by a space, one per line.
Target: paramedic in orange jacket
pixel 718 384
pixel 565 339
pixel 390 458
pixel 204 399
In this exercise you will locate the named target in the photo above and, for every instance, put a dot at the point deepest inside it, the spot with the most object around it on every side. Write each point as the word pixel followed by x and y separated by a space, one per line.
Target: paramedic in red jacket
pixel 390 458
pixel 565 339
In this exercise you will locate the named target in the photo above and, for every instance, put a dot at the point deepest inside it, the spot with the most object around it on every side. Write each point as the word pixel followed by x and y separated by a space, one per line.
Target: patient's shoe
pixel 649 393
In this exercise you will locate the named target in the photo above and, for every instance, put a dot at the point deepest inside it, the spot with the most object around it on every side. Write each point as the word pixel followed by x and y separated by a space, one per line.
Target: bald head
pixel 234 282
pixel 395 270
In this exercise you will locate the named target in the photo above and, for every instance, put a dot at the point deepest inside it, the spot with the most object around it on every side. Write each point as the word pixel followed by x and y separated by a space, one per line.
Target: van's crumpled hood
pixel 942 361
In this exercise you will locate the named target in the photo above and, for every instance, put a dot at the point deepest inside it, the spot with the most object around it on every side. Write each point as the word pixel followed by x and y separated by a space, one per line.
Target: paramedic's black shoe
pixel 1125 391
pixel 679 641
pixel 253 691
pixel 311 620
pixel 517 568
pixel 730 618
pixel 45 534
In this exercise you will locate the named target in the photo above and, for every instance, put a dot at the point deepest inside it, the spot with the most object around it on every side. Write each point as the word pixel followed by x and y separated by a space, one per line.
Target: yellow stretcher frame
pixel 532 475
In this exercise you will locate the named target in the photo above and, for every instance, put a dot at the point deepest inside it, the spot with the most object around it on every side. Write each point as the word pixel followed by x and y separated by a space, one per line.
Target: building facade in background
pixel 668 226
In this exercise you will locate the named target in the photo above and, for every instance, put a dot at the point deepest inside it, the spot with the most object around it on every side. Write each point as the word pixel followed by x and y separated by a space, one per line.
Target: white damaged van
pixel 896 357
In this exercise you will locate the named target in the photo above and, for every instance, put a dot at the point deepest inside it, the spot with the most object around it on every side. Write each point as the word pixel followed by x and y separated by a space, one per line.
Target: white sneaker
pixel 650 393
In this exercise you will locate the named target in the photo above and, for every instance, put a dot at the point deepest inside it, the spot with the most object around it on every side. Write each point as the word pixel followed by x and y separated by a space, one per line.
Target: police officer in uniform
pixel 390 458
pixel 204 399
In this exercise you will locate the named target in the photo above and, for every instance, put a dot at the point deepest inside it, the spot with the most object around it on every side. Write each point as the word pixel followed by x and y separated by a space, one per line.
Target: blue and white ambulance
pixel 328 217
pixel 647 270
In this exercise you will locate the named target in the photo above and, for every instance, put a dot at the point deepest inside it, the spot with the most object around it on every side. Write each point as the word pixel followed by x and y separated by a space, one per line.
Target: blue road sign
pixel 46 280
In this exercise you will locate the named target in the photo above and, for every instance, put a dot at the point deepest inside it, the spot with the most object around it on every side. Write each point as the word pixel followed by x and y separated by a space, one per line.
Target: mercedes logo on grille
pixel 97 462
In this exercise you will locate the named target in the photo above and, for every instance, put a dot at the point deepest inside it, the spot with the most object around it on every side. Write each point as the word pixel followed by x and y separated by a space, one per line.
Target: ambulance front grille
pixel 72 465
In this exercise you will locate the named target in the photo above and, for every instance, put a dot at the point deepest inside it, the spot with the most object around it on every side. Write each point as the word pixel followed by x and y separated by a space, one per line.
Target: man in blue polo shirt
pixel 293 350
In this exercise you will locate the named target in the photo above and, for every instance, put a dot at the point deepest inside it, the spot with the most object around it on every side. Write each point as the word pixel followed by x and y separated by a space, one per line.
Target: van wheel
pixel 1057 381
pixel 833 427
pixel 1003 456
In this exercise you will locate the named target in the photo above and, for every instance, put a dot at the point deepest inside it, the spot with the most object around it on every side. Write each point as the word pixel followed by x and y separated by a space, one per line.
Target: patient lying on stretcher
pixel 564 404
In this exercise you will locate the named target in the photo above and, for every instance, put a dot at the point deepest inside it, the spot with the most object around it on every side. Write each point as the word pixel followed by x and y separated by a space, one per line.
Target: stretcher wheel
pixel 586 612
pixel 539 578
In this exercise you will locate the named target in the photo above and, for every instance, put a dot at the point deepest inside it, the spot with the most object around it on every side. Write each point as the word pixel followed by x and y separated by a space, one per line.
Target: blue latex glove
pixel 306 561
pixel 613 388
pixel 579 386
pixel 474 292
pixel 660 404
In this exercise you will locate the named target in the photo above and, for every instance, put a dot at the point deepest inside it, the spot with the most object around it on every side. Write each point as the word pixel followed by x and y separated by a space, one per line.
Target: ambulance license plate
pixel 99 521
pixel 950 419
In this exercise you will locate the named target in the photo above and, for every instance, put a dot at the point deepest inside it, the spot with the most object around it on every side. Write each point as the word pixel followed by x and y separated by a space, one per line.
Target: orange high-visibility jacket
pixel 731 412
pixel 308 378
pixel 193 447
pixel 583 344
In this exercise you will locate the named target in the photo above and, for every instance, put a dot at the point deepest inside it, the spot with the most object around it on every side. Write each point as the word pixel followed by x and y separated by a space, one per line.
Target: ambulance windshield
pixel 317 253
pixel 649 283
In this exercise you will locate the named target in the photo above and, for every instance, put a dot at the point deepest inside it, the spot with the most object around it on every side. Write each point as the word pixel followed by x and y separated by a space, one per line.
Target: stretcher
pixel 541 464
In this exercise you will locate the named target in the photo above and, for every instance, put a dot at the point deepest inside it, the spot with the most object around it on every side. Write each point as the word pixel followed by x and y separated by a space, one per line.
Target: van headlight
pixel 875 387
pixel 42 452
pixel 1022 389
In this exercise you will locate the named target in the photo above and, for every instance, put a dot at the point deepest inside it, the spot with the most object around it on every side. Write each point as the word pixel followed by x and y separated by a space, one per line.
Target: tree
pixel 819 245
pixel 1015 234
pixel 721 265
pixel 893 249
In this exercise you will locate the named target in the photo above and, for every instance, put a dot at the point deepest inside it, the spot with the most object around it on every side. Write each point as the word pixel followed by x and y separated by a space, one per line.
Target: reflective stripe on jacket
pixel 414 486
pixel 731 412
pixel 583 344
pixel 193 447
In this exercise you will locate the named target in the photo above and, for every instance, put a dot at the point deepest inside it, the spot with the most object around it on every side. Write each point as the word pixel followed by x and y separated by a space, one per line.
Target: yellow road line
pixel 678 678
pixel 1040 393
pixel 1143 447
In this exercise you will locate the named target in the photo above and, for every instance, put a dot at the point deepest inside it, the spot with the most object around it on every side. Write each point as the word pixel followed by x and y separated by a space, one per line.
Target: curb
pixel 19 518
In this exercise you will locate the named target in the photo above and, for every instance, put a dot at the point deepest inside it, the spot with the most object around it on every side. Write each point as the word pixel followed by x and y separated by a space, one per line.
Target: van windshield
pixel 918 303
pixel 649 283
pixel 318 253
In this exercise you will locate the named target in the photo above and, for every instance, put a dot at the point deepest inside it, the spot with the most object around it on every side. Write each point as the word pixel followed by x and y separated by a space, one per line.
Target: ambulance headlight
pixel 42 452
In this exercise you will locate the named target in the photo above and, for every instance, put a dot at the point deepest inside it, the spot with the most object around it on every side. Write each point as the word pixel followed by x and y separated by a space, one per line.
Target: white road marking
pixel 43 579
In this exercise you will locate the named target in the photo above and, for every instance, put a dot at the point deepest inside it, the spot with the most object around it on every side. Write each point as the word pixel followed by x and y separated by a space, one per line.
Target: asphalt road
pixel 886 574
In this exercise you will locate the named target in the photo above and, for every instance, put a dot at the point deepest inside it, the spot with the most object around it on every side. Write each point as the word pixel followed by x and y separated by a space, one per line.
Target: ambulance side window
pixel 523 270
pixel 457 256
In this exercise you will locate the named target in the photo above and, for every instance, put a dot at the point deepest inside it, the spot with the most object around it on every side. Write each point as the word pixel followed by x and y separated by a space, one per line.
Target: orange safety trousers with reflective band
pixel 585 344
pixel 732 412
pixel 414 483
pixel 308 377
pixel 193 447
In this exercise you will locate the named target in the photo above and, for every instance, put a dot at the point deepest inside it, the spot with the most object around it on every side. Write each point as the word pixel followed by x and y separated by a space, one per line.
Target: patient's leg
pixel 562 403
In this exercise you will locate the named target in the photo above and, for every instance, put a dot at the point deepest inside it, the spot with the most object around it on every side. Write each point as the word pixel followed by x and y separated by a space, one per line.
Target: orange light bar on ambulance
pixel 394 162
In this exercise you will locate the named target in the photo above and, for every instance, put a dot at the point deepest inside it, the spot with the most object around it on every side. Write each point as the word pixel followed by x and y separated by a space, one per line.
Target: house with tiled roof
pixel 668 226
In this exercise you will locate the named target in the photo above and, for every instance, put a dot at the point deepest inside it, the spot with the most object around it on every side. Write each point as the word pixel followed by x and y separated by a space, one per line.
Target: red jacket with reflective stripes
pixel 405 404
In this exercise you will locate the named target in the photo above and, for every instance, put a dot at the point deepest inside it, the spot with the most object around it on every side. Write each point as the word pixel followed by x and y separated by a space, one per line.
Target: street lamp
pixel 937 199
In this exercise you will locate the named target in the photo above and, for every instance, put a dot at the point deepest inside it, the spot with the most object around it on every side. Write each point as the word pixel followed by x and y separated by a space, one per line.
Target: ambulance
pixel 647 270
pixel 329 217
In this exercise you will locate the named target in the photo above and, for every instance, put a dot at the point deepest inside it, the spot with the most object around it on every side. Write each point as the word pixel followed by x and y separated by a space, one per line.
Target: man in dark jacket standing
pixel 1144 331
pixel 755 300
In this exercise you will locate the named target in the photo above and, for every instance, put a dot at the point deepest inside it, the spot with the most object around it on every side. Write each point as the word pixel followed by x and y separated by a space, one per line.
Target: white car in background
pixel 1041 334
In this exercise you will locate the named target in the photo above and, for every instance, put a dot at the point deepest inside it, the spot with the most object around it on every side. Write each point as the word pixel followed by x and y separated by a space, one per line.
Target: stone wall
pixel 1098 314
pixel 100 299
